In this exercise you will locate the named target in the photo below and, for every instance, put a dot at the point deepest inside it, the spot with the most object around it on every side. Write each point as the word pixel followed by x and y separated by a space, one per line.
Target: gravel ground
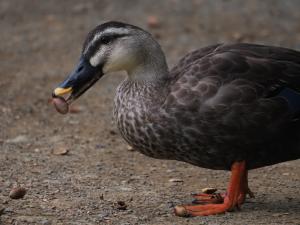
pixel 76 168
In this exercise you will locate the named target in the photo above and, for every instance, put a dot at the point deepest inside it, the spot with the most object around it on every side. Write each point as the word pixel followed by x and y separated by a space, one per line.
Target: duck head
pixel 110 47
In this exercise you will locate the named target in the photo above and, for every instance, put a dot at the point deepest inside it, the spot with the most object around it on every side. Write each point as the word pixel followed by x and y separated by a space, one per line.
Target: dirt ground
pixel 40 44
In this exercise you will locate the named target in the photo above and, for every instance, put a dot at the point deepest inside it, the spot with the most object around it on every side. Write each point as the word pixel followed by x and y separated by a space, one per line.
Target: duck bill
pixel 80 80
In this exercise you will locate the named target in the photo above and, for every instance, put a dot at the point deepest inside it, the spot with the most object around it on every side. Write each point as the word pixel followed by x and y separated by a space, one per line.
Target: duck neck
pixel 151 66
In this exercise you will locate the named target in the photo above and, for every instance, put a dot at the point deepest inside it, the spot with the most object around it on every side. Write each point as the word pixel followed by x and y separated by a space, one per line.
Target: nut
pixel 60 105
pixel 17 193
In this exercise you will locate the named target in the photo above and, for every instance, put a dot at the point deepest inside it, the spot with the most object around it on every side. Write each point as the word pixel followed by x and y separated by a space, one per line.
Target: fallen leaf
pixel 209 190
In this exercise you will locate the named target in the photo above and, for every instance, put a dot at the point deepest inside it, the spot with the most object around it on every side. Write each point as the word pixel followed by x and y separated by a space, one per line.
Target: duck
pixel 232 107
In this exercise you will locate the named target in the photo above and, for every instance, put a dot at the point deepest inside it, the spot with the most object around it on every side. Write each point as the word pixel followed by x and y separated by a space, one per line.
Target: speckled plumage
pixel 220 104
pixel 228 106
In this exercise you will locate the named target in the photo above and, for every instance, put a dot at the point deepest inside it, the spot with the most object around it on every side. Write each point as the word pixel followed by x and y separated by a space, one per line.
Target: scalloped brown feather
pixel 219 105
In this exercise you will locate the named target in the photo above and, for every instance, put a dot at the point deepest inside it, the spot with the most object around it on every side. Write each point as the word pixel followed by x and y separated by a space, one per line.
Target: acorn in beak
pixel 79 81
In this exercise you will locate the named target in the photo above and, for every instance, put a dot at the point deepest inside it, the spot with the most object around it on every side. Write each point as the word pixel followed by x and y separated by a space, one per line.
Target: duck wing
pixel 237 73
pixel 240 96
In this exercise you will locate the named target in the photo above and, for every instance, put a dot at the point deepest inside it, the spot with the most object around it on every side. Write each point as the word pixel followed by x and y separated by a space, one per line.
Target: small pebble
pixel 153 22
pixel 46 222
pixel 180 211
pixel 130 148
pixel 121 205
pixel 60 105
pixel 175 180
pixel 101 197
pixel 60 151
pixel 17 193
pixel 112 132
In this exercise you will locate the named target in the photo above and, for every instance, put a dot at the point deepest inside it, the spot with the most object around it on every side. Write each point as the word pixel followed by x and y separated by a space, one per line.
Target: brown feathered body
pixel 220 104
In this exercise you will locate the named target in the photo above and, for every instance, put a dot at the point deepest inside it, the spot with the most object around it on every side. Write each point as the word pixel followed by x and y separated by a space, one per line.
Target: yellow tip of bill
pixel 61 91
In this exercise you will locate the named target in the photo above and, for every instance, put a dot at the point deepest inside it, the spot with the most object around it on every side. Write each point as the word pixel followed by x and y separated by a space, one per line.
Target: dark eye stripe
pixel 103 40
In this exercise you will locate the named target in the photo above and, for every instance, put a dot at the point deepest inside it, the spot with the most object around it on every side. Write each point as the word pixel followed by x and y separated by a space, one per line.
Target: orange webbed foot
pixel 201 210
pixel 220 203
pixel 204 198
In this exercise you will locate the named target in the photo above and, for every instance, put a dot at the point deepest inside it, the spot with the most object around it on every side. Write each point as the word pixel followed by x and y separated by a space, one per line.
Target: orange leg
pixel 245 190
pixel 234 197
pixel 216 198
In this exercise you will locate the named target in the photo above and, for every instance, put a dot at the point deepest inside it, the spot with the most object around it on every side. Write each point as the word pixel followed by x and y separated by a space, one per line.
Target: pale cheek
pixel 124 63
pixel 96 59
pixel 116 61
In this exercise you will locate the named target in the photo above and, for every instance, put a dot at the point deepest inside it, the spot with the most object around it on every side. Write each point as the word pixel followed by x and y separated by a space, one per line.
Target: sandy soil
pixel 41 42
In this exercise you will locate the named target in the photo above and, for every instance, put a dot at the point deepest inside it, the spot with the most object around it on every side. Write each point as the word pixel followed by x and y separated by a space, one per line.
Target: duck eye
pixel 105 40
